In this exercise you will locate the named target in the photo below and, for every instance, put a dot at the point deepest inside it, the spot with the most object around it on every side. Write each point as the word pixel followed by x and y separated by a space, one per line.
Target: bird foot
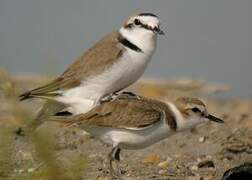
pixel 115 170
pixel 130 95
pixel 108 98
pixel 122 95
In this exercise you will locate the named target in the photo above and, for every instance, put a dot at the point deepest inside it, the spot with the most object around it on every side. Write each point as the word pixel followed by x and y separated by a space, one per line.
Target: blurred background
pixel 206 50
pixel 205 39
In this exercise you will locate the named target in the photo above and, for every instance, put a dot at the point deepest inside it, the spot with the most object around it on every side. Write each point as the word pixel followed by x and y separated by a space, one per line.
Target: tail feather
pixel 30 94
pixel 48 90
pixel 25 96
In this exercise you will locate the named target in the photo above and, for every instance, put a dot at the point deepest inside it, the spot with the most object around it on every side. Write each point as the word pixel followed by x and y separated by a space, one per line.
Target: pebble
pixel 85 134
pixel 209 157
pixel 194 168
pixel 30 170
pixel 162 172
pixel 93 156
pixel 163 164
pixel 19 170
pixel 206 164
pixel 151 159
pixel 202 139
pixel 199 160
pixel 168 159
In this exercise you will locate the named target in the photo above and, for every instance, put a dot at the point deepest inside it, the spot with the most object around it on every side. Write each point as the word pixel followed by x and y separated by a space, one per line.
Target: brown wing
pixel 119 113
pixel 93 61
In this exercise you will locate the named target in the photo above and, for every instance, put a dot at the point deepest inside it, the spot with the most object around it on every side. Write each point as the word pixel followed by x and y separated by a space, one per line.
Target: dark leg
pixel 19 131
pixel 117 154
pixel 114 156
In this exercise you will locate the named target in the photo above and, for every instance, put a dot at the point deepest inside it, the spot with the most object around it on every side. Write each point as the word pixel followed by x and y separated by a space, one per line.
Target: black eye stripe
pixel 195 109
pixel 137 22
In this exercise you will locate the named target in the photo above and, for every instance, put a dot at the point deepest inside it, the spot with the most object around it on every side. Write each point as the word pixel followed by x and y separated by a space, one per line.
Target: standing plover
pixel 112 64
pixel 134 123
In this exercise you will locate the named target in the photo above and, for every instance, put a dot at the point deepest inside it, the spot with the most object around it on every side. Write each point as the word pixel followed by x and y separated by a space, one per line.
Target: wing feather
pixel 119 113
pixel 94 61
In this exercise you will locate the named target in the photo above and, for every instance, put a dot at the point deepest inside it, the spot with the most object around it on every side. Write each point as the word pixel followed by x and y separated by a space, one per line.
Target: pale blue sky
pixel 207 39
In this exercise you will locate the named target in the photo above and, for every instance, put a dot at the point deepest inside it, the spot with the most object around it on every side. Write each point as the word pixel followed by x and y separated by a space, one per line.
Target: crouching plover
pixel 134 123
pixel 112 64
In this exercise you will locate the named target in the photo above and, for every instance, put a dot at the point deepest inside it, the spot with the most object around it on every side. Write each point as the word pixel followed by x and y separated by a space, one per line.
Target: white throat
pixel 180 120
pixel 144 39
pixel 184 123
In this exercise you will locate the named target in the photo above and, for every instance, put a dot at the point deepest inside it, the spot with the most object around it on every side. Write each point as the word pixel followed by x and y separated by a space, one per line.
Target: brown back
pixel 94 61
pixel 123 112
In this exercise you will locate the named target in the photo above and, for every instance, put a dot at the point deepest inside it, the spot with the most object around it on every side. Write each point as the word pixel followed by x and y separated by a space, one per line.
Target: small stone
pixel 202 139
pixel 30 170
pixel 209 157
pixel 85 134
pixel 93 156
pixel 162 172
pixel 151 159
pixel 194 168
pixel 206 164
pixel 19 170
pixel 168 159
pixel 163 164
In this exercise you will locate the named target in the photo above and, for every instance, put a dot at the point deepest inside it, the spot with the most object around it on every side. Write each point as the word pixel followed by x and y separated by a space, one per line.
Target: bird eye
pixel 137 22
pixel 195 109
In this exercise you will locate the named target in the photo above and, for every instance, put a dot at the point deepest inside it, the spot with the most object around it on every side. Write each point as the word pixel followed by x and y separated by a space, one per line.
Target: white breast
pixel 122 74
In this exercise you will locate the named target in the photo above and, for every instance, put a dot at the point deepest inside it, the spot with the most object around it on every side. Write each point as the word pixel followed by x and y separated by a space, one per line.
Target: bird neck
pixel 182 122
pixel 144 40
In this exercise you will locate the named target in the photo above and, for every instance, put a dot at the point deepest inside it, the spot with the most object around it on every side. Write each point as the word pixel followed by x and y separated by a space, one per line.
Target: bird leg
pixel 108 97
pixel 114 95
pixel 114 157
pixel 129 94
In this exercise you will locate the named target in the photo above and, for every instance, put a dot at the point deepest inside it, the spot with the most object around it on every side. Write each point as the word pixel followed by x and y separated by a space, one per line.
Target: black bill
pixel 158 31
pixel 214 119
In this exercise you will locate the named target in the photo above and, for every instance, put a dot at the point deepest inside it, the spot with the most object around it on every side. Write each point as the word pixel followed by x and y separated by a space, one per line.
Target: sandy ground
pixel 203 153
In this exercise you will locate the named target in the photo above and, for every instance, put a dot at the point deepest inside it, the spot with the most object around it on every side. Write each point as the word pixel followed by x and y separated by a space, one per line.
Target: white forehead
pixel 149 20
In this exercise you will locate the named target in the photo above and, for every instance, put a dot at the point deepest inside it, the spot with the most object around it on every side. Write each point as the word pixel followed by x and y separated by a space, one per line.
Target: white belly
pixel 130 138
pixel 122 74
